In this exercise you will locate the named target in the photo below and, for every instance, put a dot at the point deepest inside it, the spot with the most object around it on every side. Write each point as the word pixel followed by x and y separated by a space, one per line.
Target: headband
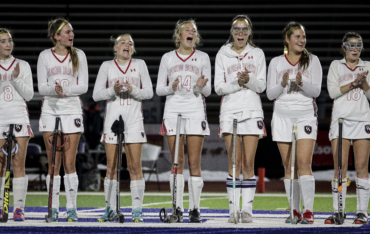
pixel 240 19
pixel 61 26
pixel 294 28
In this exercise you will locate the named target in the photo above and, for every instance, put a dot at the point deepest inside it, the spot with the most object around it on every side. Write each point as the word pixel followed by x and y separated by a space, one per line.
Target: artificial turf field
pixel 269 214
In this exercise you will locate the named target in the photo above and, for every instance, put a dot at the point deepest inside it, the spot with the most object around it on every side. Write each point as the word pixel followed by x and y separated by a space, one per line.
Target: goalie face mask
pixel 351 45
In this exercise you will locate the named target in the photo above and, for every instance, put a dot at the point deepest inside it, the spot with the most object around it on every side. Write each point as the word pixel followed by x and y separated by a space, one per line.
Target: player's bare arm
pixel 285 80
pixel 16 71
pixel 298 79
pixel 202 82
pixel 174 84
pixel 118 87
pixel 59 90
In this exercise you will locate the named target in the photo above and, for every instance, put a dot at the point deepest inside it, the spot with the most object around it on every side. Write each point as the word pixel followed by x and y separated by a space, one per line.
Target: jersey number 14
pixel 184 83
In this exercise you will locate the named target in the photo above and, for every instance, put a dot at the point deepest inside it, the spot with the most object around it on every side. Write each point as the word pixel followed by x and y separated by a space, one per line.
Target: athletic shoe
pixel 308 217
pixel 180 216
pixel 137 215
pixel 109 213
pixel 296 214
pixel 246 217
pixel 194 216
pixel 232 218
pixel 360 218
pixel 54 215
pixel 71 215
pixel 330 219
pixel 18 215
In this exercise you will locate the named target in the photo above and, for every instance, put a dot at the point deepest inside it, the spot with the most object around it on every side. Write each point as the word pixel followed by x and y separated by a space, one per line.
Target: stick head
pixel 48 219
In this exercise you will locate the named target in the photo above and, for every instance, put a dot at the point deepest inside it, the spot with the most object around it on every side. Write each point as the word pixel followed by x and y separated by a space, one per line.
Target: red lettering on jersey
pixel 176 68
pixel 6 77
pixel 111 138
pixel 345 78
pixel 68 71
pixel 250 67
pixel 233 68
pixel 54 70
pixel 192 69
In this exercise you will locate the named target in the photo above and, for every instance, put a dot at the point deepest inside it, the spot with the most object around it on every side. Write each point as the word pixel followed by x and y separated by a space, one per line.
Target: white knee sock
pixel 362 190
pixel 2 184
pixel 56 190
pixel 191 199
pixel 229 186
pixel 296 193
pixel 248 191
pixel 71 186
pixel 107 190
pixel 307 183
pixel 180 190
pixel 20 186
pixel 113 195
pixel 137 188
pixel 196 190
pixel 334 189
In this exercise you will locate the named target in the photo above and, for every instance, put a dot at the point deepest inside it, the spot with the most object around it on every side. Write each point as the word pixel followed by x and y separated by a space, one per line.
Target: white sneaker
pixel 232 218
pixel 246 217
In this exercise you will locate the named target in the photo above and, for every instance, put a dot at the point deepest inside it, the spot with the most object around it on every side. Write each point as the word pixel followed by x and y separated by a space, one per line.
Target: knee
pixel 111 171
pixel 134 171
pixel 69 167
pixel 248 167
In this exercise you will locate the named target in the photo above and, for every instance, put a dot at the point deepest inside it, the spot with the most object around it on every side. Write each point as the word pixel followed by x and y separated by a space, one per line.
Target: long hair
pixel 177 31
pixel 249 22
pixel 53 27
pixel 304 61
pixel 115 41
pixel 348 36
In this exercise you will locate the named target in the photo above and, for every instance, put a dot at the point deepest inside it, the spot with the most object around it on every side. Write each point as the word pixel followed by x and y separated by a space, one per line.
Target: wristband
pixel 351 86
pixel 301 84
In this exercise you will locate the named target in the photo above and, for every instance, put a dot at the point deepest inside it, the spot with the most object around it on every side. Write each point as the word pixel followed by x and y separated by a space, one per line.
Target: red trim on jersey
pixel 264 130
pixel 163 130
pixel 186 58
pixel 350 68
pixel 204 105
pixel 241 58
pixel 105 115
pixel 124 72
pixel 57 57
pixel 290 62
pixel 314 106
pixel 9 66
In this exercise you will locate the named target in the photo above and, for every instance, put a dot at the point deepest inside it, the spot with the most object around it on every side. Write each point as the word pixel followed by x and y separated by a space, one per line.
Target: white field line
pixel 124 194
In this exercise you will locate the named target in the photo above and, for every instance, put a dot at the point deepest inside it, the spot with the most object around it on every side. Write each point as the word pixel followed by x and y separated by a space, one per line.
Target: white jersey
pixel 294 100
pixel 189 99
pixel 14 92
pixel 129 105
pixel 53 68
pixel 353 105
pixel 235 98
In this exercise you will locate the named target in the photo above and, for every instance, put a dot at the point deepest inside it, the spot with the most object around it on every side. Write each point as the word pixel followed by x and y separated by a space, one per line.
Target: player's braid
pixel 52 29
pixel 304 61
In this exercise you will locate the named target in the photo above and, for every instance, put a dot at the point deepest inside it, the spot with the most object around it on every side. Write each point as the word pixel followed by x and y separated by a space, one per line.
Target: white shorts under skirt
pixel 282 128
pixel 68 123
pixel 352 130
pixel 253 126
pixel 189 126
pixel 134 133
pixel 20 130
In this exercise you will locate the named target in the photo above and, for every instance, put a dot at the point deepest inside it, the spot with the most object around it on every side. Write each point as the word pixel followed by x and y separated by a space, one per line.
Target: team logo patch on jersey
pixel 78 122
pixel 308 129
pixel 260 124
pixel 142 134
pixel 17 127
pixel 204 125
pixel 367 129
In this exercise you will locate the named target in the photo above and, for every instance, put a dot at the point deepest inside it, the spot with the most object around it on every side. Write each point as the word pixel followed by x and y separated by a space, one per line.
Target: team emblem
pixel 204 125
pixel 78 122
pixel 367 129
pixel 17 127
pixel 260 124
pixel 308 129
pixel 142 134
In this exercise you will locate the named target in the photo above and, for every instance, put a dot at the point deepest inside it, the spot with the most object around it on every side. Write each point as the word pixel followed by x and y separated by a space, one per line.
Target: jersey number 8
pixel 8 93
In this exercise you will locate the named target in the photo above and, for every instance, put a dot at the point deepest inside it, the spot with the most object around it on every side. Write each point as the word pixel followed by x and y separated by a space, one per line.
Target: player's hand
pixel 202 82
pixel 243 77
pixel 16 71
pixel 127 86
pixel 298 78
pixel 285 80
pixel 174 84
pixel 59 90
pixel 361 78
pixel 118 87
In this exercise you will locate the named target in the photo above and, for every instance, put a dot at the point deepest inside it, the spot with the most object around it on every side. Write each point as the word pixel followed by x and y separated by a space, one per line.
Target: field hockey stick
pixel 294 220
pixel 339 218
pixel 9 141
pixel 236 218
pixel 175 210
pixel 50 202
pixel 118 128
